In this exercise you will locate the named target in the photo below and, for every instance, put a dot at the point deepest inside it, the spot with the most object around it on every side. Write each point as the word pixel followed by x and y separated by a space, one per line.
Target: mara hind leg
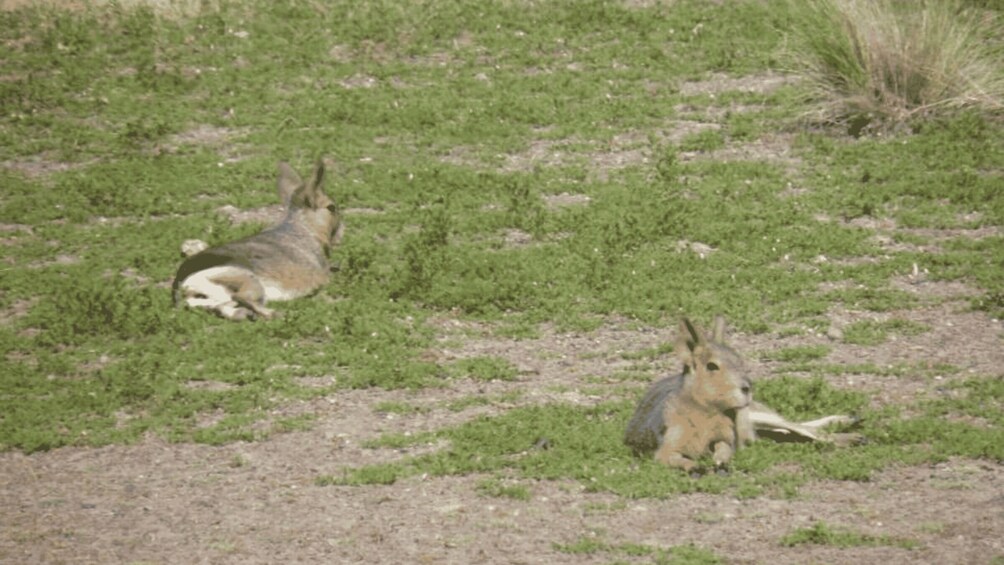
pixel 247 291
pixel 827 420
pixel 201 291
pixel 232 292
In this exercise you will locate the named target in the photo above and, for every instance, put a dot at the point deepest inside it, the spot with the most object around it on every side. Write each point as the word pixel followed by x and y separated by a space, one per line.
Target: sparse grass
pixel 822 534
pixel 799 354
pixel 399 440
pixel 499 488
pixel 875 300
pixel 484 369
pixel 978 398
pixel 678 555
pixel 704 141
pixel 934 528
pixel 874 333
pixel 649 352
pixel 402 408
pixel 894 60
pixel 919 370
pixel 807 398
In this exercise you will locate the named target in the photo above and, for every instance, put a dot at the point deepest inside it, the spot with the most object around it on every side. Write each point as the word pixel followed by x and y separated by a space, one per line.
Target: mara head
pixel 714 372
pixel 310 204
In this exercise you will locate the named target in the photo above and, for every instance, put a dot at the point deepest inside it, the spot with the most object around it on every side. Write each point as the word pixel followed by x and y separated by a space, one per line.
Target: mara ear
pixel 317 176
pixel 309 195
pixel 688 341
pixel 718 332
pixel 289 183
pixel 693 335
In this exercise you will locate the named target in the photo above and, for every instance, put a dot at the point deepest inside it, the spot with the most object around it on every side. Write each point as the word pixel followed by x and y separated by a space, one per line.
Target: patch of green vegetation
pixel 370 475
pixel 484 369
pixel 876 300
pixel 931 527
pixel 402 408
pixel 797 354
pixel 498 488
pixel 822 534
pixel 294 423
pixel 919 370
pixel 743 126
pixel 976 261
pixel 703 141
pixel 873 333
pixel 631 375
pixel 930 179
pixel 976 397
pixel 677 555
pixel 518 327
pixel 399 440
pixel 583 546
pixel 790 331
pixel 58 391
pixel 110 308
pixel 966 421
pixel 808 398
pixel 649 352
pixel 992 303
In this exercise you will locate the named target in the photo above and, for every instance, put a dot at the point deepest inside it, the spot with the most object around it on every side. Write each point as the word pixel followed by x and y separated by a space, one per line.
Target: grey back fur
pixel 647 426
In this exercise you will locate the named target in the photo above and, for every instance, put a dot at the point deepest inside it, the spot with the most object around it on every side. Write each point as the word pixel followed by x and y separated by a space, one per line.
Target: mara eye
pixel 712 366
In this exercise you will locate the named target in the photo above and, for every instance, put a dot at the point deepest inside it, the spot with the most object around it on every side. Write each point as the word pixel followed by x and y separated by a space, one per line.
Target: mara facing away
pixel 286 261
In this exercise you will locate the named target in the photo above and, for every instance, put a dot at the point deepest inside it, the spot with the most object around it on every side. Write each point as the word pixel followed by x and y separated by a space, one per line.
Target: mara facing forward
pixel 709 407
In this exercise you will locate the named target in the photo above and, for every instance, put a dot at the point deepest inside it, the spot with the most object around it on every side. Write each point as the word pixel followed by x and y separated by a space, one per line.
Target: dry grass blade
pixel 893 60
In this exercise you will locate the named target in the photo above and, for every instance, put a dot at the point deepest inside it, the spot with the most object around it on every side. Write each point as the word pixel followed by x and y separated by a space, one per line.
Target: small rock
pixel 192 246
pixel 835 333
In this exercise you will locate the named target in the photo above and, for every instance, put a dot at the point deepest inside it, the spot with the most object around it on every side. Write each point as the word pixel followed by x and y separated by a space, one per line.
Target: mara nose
pixel 747 388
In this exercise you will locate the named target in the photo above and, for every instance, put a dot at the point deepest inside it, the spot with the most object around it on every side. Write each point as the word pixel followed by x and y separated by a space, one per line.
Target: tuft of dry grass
pixel 892 60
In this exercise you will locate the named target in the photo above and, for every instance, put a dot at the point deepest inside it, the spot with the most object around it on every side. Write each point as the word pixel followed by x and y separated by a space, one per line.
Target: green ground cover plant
pixel 123 131
pixel 873 333
pixel 484 368
pixel 823 534
pixel 677 555
pixel 499 488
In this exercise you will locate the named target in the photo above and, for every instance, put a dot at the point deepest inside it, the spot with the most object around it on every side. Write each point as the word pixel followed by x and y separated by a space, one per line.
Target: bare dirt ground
pixel 258 503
